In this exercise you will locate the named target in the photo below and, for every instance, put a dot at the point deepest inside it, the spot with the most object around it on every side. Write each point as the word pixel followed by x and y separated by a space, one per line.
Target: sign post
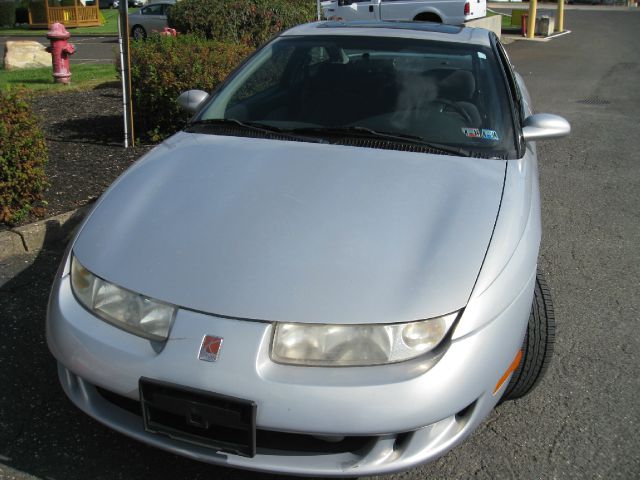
pixel 125 69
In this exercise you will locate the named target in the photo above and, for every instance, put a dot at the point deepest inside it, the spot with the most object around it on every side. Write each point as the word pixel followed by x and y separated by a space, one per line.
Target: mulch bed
pixel 84 133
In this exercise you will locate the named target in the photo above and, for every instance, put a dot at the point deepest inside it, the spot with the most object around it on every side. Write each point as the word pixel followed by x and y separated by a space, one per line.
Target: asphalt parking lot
pixel 581 422
pixel 88 49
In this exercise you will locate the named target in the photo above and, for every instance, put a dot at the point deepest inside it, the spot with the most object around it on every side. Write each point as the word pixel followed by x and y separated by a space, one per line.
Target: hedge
pixel 251 22
pixel 23 155
pixel 162 67
pixel 7 13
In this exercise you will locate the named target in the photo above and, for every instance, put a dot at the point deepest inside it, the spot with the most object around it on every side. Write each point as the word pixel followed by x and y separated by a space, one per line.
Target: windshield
pixel 442 93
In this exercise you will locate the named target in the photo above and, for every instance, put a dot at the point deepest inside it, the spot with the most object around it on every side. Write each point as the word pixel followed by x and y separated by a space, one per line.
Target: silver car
pixel 331 271
pixel 150 19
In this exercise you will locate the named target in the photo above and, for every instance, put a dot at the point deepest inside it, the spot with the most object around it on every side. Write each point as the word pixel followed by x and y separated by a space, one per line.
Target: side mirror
pixel 543 126
pixel 191 100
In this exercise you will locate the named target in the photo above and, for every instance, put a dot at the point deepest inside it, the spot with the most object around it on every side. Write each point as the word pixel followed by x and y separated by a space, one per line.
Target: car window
pixel 513 84
pixel 152 9
pixel 445 93
pixel 317 55
pixel 266 77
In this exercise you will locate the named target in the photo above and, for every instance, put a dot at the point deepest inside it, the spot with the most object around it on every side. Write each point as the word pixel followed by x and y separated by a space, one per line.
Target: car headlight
pixel 356 345
pixel 122 308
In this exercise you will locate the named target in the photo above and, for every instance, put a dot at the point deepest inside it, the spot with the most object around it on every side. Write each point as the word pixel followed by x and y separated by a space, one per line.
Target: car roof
pixel 418 30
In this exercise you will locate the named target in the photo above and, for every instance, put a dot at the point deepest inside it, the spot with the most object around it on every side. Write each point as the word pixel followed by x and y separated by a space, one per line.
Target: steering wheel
pixel 448 105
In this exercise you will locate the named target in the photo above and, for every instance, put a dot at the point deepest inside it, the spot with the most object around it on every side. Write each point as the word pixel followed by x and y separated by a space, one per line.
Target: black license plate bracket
pixel 221 422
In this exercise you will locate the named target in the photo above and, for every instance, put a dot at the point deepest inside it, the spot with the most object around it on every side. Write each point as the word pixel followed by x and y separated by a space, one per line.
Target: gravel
pixel 84 134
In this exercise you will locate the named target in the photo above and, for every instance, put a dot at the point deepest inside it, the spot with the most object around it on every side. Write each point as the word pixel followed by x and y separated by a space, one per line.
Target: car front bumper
pixel 402 414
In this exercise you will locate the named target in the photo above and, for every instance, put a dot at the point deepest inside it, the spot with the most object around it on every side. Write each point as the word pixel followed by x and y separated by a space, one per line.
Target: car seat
pixel 458 88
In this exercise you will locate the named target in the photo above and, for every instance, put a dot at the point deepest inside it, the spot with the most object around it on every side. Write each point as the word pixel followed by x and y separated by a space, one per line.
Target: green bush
pixel 23 155
pixel 251 22
pixel 162 67
pixel 7 13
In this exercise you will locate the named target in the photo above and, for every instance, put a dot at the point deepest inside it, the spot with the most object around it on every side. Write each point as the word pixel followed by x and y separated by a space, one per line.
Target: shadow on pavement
pixel 41 433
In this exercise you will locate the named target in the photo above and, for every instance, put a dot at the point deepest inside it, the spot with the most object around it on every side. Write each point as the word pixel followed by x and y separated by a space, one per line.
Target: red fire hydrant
pixel 60 50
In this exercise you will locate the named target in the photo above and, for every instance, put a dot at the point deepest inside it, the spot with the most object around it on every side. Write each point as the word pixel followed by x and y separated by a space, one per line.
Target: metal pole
pixel 124 97
pixel 531 25
pixel 123 23
pixel 560 15
pixel 318 6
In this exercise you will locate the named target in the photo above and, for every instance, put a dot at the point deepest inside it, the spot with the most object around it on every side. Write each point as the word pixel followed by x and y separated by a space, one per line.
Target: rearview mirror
pixel 543 126
pixel 191 100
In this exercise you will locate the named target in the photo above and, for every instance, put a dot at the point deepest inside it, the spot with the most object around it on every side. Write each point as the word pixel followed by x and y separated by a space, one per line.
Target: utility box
pixel 545 25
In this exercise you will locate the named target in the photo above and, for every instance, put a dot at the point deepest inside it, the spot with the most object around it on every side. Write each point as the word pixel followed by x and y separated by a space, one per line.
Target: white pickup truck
pixel 454 12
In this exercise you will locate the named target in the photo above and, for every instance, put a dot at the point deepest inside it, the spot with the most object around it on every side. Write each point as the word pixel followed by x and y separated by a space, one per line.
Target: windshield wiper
pixel 254 126
pixel 355 130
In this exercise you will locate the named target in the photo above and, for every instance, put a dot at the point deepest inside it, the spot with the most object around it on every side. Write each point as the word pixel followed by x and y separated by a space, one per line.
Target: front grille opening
pixel 402 441
pixel 125 403
pixel 295 442
pixel 267 440
pixel 464 414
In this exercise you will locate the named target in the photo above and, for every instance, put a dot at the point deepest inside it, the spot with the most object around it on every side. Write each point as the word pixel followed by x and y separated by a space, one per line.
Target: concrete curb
pixel 41 234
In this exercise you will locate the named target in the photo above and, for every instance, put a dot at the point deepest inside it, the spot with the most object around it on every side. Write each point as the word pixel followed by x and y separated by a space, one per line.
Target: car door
pixel 357 9
pixel 154 17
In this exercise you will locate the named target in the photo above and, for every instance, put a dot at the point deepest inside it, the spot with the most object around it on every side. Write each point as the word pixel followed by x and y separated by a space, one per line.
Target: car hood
pixel 299 232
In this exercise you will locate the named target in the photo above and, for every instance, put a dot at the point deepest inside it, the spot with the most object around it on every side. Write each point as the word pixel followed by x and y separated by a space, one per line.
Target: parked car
pixel 131 3
pixel 331 271
pixel 150 19
pixel 453 12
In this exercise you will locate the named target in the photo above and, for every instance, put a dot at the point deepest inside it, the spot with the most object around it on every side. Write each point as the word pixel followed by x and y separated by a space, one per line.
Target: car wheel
pixel 537 347
pixel 138 32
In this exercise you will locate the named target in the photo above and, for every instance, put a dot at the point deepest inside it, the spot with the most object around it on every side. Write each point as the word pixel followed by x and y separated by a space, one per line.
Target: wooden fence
pixel 71 16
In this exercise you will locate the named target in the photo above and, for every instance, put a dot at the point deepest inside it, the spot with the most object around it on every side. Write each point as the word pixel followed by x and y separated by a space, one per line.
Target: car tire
pixel 138 32
pixel 537 347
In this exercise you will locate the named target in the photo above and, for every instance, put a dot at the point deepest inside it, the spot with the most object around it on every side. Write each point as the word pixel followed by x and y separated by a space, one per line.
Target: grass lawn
pixel 110 27
pixel 41 80
pixel 505 19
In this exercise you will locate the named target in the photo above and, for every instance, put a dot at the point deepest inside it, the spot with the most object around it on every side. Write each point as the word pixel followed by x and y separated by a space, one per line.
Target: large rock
pixel 25 54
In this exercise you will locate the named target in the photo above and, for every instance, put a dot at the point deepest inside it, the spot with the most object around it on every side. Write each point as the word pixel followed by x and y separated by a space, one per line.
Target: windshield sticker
pixel 471 132
pixel 489 134
pixel 482 55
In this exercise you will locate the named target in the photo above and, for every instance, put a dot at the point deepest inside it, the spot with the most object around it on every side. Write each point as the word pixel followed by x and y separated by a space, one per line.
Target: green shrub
pixel 7 13
pixel 23 155
pixel 251 22
pixel 162 67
